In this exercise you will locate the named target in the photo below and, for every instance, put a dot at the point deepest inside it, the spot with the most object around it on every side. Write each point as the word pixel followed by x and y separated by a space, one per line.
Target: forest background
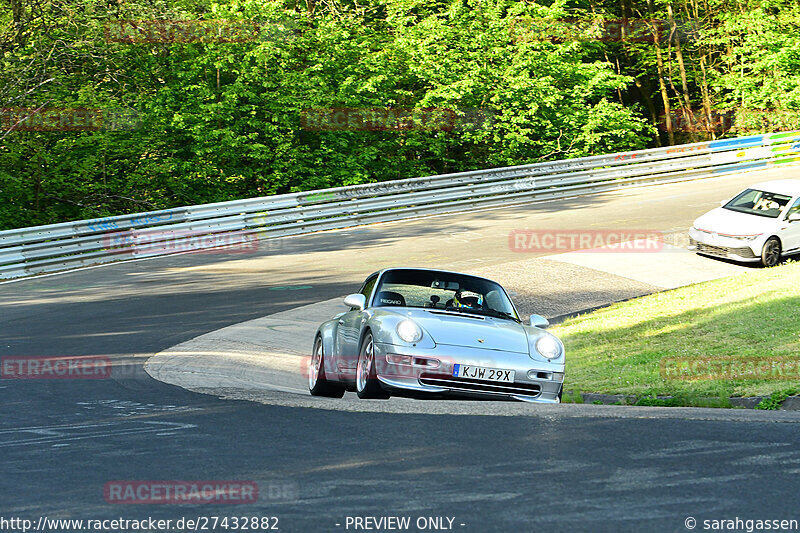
pixel 121 106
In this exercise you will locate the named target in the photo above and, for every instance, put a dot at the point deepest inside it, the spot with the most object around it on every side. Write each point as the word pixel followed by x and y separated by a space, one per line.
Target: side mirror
pixel 356 300
pixel 538 321
pixel 794 217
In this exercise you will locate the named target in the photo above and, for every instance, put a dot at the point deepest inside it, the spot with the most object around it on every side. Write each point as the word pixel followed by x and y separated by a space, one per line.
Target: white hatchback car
pixel 761 223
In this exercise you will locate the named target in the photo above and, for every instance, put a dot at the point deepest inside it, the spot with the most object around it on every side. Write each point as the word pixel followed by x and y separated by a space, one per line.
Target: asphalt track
pixel 564 468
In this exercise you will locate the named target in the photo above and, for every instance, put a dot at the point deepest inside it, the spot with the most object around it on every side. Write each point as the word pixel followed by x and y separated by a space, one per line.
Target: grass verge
pixel 737 336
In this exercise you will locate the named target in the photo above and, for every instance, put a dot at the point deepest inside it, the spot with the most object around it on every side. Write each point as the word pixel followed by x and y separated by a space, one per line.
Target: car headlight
pixel 549 347
pixel 747 237
pixel 409 331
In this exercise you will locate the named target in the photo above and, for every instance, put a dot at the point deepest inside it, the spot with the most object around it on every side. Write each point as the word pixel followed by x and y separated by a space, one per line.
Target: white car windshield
pixel 445 291
pixel 761 203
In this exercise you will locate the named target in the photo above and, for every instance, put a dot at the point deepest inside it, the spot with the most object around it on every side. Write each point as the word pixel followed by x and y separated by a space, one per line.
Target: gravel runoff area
pixel 556 289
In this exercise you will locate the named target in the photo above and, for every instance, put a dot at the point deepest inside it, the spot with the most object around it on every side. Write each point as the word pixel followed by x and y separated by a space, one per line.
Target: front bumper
pixel 717 245
pixel 534 381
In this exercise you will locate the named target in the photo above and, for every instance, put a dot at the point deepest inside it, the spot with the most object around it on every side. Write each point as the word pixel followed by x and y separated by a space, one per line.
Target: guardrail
pixel 237 224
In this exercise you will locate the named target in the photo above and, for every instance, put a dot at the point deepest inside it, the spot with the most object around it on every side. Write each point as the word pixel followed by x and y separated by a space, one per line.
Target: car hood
pixel 465 330
pixel 729 222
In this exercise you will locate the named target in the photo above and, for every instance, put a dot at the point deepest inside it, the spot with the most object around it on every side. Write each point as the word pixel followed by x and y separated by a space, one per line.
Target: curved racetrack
pixel 536 468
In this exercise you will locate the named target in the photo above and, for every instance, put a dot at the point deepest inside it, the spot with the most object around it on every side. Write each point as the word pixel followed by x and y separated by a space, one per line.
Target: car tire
pixel 771 252
pixel 367 384
pixel 318 384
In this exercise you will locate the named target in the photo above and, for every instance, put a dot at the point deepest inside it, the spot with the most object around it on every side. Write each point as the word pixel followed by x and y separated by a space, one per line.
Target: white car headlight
pixel 409 331
pixel 549 347
pixel 748 237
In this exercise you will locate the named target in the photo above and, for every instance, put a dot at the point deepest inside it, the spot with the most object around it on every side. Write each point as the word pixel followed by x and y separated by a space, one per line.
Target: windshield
pixel 439 290
pixel 761 203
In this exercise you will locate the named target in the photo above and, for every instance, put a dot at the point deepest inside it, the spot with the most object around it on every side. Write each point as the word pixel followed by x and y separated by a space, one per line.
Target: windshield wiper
pixel 500 314
pixel 484 312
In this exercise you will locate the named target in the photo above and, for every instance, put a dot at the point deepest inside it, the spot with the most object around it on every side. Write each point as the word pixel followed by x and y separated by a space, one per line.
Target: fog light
pixel 398 359
pixel 428 363
pixel 541 374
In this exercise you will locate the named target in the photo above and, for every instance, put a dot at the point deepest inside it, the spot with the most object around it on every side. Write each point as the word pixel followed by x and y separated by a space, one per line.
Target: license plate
pixel 480 372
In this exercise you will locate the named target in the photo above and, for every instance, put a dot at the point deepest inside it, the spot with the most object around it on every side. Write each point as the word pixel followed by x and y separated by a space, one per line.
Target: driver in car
pixel 468 299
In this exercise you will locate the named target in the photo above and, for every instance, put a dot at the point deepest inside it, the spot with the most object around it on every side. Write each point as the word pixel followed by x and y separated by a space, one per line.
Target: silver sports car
pixel 416 331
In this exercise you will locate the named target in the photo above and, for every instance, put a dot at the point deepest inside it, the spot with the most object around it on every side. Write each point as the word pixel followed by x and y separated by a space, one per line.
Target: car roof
pixel 384 270
pixel 380 272
pixel 790 187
